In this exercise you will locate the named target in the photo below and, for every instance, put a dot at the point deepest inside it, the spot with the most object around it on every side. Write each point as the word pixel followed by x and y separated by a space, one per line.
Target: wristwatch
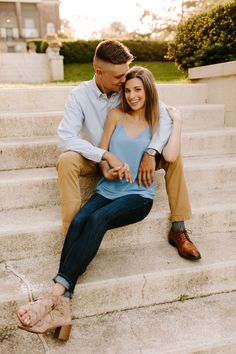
pixel 151 152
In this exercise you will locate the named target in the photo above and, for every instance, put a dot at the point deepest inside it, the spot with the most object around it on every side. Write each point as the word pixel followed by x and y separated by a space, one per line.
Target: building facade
pixel 26 19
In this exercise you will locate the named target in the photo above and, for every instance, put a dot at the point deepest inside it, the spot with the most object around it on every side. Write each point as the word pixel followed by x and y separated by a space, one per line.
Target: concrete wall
pixel 221 81
pixel 30 67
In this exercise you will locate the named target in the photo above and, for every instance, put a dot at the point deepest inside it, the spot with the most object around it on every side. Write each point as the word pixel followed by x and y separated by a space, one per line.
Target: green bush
pixel 82 51
pixel 147 50
pixel 207 38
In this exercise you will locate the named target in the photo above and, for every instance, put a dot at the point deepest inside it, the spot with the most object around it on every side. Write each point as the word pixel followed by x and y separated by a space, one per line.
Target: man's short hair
pixel 113 52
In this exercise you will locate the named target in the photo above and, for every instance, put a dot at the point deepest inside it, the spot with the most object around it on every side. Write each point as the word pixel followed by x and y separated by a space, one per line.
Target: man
pixel 80 133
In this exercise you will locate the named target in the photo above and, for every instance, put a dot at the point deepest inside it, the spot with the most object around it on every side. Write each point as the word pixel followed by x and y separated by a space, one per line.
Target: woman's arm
pixel 110 166
pixel 172 149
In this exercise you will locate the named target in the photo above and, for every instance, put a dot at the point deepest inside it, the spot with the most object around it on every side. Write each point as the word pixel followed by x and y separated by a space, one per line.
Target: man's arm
pixel 119 168
pixel 69 130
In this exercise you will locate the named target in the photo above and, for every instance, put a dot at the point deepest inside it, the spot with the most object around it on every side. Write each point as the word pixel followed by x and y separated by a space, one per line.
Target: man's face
pixel 110 77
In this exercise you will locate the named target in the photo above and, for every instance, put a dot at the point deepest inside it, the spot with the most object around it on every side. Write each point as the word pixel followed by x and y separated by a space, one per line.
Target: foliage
pixel 162 25
pixel 82 51
pixel 40 44
pixel 207 38
pixel 183 297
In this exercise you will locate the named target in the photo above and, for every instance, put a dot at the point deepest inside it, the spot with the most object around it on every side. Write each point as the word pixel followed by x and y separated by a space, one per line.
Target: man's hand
pixel 112 160
pixel 146 170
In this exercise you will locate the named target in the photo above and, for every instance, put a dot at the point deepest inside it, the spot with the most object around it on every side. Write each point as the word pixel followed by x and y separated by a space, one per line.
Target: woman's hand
pixel 175 114
pixel 118 173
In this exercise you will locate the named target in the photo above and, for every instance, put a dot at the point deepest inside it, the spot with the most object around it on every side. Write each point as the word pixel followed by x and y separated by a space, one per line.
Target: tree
pixel 67 31
pixel 163 25
pixel 115 30
pixel 190 7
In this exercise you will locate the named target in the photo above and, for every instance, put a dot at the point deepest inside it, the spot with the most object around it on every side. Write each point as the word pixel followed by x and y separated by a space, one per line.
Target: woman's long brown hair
pixel 152 113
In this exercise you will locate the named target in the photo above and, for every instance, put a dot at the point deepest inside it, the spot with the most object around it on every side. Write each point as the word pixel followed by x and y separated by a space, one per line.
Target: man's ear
pixel 99 72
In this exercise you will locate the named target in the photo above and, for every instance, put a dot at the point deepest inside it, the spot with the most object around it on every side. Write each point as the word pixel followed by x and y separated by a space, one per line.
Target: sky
pixel 88 16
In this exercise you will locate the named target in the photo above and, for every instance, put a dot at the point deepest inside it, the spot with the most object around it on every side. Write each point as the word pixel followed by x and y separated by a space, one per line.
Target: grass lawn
pixel 162 71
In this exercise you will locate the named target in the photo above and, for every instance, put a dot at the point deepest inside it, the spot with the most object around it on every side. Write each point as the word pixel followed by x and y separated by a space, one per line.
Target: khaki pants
pixel 71 165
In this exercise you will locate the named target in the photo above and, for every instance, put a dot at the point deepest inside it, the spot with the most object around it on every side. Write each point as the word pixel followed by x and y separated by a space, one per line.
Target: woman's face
pixel 135 94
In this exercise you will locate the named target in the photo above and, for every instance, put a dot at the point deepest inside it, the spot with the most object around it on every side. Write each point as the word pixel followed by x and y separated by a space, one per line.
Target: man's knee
pixel 68 160
pixel 163 164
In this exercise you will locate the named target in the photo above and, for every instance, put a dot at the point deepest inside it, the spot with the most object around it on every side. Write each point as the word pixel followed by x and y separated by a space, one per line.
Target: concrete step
pixel 35 187
pixel 29 124
pixel 183 94
pixel 39 99
pixel 28 152
pixel 39 229
pixel 202 326
pixel 21 153
pixel 205 116
pixel 126 277
pixel 46 123
pixel 209 142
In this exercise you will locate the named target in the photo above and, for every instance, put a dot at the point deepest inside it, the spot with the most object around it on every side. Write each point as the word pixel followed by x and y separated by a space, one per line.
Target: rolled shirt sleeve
pixel 162 134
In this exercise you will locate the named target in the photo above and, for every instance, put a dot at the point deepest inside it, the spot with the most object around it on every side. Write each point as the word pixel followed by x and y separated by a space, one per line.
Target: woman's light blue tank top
pixel 129 150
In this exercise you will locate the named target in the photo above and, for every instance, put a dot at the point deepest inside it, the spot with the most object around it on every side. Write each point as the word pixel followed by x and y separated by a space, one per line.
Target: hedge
pixel 207 38
pixel 82 51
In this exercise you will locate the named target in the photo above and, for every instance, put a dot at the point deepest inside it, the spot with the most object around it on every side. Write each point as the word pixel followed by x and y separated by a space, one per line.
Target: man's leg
pixel 179 206
pixel 70 166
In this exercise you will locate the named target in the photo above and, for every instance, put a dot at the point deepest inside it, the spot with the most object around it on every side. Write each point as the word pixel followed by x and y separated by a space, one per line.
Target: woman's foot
pixel 59 318
pixel 36 310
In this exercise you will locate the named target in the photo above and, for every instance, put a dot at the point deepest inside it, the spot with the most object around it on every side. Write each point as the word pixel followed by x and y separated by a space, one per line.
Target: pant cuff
pixel 61 280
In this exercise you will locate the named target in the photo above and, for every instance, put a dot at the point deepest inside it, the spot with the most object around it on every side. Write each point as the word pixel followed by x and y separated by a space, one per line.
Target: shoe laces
pixel 186 233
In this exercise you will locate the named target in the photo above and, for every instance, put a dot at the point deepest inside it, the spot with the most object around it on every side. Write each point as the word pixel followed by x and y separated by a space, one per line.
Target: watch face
pixel 151 152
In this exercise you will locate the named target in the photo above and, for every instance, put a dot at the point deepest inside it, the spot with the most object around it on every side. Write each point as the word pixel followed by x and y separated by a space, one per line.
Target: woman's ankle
pixel 58 289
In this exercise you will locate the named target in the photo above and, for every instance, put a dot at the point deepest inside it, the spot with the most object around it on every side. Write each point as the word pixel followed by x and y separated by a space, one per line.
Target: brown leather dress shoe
pixel 182 242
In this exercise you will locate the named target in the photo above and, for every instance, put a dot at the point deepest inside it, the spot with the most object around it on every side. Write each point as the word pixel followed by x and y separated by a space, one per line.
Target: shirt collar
pixel 98 92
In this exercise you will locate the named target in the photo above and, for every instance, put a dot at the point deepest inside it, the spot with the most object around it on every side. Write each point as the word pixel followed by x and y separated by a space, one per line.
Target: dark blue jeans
pixel 87 229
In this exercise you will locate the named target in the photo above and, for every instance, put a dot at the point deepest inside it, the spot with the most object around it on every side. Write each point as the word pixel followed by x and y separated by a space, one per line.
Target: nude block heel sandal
pixel 63 333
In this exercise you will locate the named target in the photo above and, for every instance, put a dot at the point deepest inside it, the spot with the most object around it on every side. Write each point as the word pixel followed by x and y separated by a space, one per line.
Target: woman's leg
pixel 29 314
pixel 94 203
pixel 119 212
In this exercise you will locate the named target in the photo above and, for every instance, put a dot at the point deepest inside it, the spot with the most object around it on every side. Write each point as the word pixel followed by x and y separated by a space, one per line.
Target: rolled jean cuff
pixel 61 280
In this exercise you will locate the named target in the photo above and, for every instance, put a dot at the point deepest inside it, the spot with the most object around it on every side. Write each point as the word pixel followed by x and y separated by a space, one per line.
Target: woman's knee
pixel 97 221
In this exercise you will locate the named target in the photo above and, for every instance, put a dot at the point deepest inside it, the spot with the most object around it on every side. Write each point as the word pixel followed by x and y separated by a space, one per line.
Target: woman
pixel 118 201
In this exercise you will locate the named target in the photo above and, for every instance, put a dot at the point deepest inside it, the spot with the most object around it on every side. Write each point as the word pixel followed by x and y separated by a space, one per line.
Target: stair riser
pixel 32 242
pixel 176 95
pixel 28 126
pixel 137 291
pixel 23 125
pixel 209 145
pixel 33 193
pixel 45 154
pixel 44 191
pixel 151 289
pixel 199 118
pixel 39 99
pixel 28 156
